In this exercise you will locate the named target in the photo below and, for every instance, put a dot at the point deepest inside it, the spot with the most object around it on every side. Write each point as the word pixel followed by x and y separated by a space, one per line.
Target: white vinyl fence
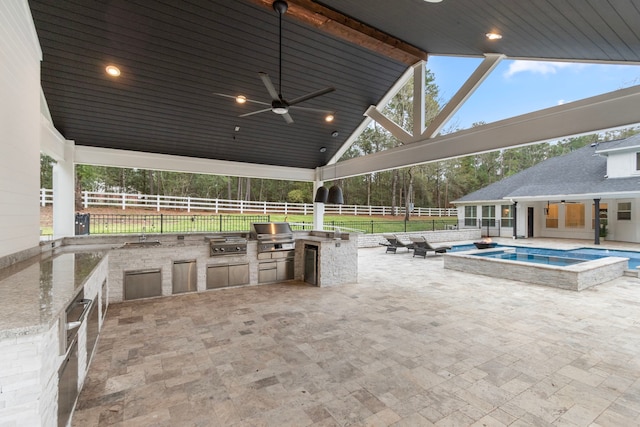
pixel 159 202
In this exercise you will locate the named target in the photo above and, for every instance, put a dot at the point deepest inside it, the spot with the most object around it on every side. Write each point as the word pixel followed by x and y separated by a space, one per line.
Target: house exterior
pixel 589 193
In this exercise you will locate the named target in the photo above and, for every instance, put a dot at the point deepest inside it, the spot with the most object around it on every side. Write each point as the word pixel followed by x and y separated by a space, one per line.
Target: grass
pixel 136 223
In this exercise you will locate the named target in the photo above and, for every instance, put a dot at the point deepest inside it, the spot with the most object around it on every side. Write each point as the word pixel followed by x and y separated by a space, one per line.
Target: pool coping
pixel 574 277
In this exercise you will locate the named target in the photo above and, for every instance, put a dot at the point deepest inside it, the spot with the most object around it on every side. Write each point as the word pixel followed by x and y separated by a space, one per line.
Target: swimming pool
pixel 580 253
pixel 533 258
pixel 554 268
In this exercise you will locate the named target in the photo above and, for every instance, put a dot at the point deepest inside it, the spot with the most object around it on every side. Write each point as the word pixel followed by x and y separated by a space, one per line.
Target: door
pixel 217 276
pixel 311 264
pixel 184 277
pixel 529 222
pixel 238 274
pixel 142 284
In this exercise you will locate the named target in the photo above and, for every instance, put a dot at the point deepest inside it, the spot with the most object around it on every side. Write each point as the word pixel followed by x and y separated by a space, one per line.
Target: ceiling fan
pixel 278 104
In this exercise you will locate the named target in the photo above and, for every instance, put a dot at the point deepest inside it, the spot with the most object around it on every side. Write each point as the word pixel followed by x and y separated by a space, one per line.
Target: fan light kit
pixel 278 104
pixel 112 70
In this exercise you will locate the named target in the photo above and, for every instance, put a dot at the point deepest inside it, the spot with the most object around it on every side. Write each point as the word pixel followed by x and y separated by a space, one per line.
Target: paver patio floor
pixel 410 344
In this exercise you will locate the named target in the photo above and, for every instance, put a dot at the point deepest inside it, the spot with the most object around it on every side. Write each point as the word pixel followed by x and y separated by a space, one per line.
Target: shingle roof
pixel 582 171
pixel 627 143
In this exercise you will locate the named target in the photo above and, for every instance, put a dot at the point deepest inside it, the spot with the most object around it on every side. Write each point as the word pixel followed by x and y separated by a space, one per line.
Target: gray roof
pixel 581 172
pixel 633 142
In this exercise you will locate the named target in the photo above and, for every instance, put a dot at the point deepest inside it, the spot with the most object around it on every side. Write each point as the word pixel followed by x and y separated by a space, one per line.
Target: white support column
pixel 318 208
pixel 64 193
pixel 418 98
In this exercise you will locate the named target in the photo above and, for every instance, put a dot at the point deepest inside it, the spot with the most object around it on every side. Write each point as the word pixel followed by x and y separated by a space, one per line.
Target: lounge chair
pixel 394 243
pixel 421 247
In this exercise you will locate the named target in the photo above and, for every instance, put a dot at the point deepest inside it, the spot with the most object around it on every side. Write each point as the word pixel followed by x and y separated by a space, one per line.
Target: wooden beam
pixel 351 30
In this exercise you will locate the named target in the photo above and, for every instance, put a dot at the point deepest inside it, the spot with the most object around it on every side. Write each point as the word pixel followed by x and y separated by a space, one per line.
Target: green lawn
pixel 191 223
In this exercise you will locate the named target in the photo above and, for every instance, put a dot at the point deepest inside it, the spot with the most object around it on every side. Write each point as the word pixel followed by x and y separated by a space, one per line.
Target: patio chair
pixel 394 243
pixel 421 247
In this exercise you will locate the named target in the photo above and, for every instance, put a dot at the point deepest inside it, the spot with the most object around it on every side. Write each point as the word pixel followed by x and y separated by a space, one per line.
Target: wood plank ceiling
pixel 175 56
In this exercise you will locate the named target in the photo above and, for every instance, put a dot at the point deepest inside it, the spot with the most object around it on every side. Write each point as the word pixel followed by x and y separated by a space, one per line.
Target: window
pixel 507 215
pixel 470 218
pixel 552 215
pixel 638 161
pixel 574 215
pixel 489 216
pixel 624 211
pixel 603 215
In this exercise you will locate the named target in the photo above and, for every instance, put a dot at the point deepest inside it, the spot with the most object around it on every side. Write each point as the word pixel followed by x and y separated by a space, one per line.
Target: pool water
pixel 580 253
pixel 533 258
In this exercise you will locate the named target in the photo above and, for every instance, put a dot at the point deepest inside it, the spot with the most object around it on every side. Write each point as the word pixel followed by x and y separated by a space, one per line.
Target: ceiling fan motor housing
pixel 279 106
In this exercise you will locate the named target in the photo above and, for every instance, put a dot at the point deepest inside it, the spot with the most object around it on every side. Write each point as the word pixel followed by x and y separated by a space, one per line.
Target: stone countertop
pixel 317 239
pixel 34 292
pixel 321 236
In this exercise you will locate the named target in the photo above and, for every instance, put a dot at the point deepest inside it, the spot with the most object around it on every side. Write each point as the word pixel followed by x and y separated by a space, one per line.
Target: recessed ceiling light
pixel 433 1
pixel 241 99
pixel 329 118
pixel 112 70
pixel 494 36
pixel 323 149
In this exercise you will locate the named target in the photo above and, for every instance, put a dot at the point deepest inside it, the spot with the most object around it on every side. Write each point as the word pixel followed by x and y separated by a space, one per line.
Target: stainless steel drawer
pixel 267 272
pixel 67 385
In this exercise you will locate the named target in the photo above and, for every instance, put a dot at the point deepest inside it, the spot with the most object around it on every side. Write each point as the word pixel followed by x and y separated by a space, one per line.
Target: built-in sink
pixel 143 244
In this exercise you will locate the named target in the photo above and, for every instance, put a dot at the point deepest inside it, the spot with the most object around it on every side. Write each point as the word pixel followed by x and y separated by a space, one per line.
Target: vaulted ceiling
pixel 175 56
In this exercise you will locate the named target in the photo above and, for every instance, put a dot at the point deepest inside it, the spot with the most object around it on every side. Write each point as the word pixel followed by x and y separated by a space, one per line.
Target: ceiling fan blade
pixel 254 112
pixel 312 95
pixel 287 118
pixel 247 99
pixel 270 88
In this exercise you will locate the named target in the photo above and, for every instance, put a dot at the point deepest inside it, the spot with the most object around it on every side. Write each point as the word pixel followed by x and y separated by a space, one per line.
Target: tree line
pixel 434 184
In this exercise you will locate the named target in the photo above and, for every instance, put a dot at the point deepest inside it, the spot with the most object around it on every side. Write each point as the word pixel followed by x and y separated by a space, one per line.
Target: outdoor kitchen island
pixel 336 258
pixel 169 264
pixel 53 305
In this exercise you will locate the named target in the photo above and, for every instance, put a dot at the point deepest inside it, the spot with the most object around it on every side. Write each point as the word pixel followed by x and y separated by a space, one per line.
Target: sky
pixel 518 87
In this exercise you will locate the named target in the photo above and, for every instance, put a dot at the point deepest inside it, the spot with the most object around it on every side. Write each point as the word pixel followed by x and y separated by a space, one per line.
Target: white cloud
pixel 537 67
pixel 561 101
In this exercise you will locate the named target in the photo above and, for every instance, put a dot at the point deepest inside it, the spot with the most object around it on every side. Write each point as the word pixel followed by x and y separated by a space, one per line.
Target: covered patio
pixel 410 344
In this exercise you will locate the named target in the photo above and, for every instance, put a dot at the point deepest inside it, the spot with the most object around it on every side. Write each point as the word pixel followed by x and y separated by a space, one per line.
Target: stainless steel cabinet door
pixel 184 277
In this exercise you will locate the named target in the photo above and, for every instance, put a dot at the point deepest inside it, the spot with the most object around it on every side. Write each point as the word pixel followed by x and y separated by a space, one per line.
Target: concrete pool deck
pixel 410 344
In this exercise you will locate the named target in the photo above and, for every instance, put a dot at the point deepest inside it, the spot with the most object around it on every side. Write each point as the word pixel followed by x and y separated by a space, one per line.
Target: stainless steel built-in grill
pixel 227 245
pixel 276 251
pixel 273 236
